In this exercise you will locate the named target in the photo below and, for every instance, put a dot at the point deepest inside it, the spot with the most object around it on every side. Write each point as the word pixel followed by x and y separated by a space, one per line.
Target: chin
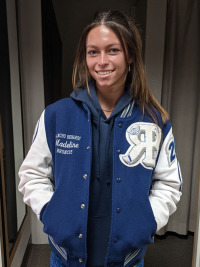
pixel 103 85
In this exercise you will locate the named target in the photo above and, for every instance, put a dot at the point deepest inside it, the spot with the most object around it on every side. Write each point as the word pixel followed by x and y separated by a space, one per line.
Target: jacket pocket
pixel 42 211
pixel 153 218
pixel 135 257
pixel 60 250
pixel 131 256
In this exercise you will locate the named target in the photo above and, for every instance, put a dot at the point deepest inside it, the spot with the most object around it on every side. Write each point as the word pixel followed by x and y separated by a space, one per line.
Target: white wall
pixel 32 82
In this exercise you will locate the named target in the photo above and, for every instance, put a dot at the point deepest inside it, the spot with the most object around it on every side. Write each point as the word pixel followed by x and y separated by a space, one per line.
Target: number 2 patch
pixel 171 151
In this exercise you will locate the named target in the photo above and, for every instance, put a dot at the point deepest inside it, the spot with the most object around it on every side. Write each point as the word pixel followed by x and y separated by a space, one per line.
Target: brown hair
pixel 129 36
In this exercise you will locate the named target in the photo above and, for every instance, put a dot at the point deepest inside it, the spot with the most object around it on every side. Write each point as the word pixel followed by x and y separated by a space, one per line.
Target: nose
pixel 103 59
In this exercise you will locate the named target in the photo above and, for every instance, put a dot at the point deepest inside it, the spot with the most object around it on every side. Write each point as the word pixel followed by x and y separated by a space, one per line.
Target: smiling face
pixel 105 59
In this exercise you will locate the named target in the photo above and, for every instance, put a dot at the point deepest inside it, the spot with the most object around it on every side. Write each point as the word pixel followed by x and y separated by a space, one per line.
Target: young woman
pixel 102 173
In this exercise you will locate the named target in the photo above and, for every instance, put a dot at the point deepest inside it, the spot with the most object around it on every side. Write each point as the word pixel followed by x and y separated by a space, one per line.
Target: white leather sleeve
pixel 167 181
pixel 36 171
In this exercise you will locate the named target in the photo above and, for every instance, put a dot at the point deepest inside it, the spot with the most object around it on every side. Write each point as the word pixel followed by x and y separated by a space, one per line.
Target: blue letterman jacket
pixel 55 179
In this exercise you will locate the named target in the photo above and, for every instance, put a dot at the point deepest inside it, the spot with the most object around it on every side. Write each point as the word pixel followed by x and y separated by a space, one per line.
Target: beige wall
pixel 0 254
pixel 155 44
pixel 19 254
pixel 197 263
pixel 15 103
pixel 196 252
pixel 17 130
pixel 32 82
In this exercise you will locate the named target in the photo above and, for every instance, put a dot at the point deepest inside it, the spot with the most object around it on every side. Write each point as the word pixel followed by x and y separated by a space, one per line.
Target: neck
pixel 108 99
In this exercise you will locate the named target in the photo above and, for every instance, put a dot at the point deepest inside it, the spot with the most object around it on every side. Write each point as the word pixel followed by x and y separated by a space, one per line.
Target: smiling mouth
pixel 104 72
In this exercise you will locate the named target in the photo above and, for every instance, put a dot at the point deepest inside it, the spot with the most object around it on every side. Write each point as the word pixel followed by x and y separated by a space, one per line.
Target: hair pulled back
pixel 130 39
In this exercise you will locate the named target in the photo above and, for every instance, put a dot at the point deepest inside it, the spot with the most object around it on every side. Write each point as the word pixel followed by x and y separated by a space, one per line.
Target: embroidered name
pixel 144 139
pixel 64 143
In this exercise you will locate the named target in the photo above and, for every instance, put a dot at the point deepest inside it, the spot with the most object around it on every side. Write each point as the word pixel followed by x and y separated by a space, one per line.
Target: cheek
pixel 124 66
pixel 89 64
pixel 120 62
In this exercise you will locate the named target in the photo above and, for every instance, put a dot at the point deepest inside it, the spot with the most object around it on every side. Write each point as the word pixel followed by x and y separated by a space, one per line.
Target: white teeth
pixel 104 72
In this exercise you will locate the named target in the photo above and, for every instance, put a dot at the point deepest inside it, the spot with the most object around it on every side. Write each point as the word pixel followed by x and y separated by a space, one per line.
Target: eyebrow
pixel 94 46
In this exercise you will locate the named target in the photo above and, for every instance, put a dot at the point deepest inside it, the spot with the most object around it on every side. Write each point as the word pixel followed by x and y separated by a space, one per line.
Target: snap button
pixel 88 147
pixel 118 210
pixel 120 125
pixel 118 151
pixel 80 260
pixel 85 176
pixel 115 240
pixel 118 180
pixel 82 206
pixel 80 236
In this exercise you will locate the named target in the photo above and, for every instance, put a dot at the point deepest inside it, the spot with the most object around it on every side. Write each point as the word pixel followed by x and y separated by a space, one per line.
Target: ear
pixel 130 61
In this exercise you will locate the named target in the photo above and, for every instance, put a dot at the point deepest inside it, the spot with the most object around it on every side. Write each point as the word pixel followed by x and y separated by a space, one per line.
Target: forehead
pixel 101 34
